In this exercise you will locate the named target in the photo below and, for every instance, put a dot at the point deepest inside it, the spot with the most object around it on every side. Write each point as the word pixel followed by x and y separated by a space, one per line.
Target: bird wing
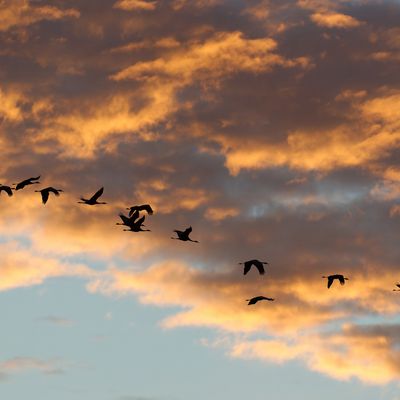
pixel 132 210
pixel 97 194
pixel 124 219
pixel 259 266
pixel 33 179
pixel 7 189
pixel 398 285
pixel 341 279
pixel 52 190
pixel 187 231
pixel 247 266
pixel 146 207
pixel 330 281
pixel 134 215
pixel 45 196
pixel 140 221
pixel 253 301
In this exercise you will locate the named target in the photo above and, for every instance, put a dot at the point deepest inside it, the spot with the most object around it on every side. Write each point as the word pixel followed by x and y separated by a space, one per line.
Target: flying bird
pixel 128 221
pixel 7 189
pixel 26 182
pixel 46 191
pixel 254 300
pixel 184 235
pixel 93 200
pixel 339 277
pixel 258 264
pixel 397 290
pixel 137 226
pixel 143 207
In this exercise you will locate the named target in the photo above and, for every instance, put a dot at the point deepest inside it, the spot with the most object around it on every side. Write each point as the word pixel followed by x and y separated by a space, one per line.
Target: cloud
pixel 21 13
pixel 129 5
pixel 335 20
pixel 21 364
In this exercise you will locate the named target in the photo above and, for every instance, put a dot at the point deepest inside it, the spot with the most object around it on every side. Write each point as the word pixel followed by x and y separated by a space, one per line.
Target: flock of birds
pixel 134 222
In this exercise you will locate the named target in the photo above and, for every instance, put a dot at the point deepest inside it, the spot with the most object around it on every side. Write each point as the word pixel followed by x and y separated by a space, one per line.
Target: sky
pixel 270 127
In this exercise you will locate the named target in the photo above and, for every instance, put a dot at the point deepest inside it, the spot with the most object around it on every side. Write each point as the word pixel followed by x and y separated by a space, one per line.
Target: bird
pixel 93 200
pixel 128 221
pixel 46 191
pixel 331 278
pixel 7 189
pixel 397 290
pixel 26 182
pixel 254 300
pixel 258 264
pixel 137 226
pixel 184 235
pixel 145 207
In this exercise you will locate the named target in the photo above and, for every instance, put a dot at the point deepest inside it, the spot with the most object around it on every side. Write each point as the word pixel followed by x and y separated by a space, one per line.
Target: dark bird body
pixel 184 235
pixel 143 207
pixel 93 200
pixel 258 264
pixel 339 277
pixel 26 182
pixel 254 300
pixel 6 189
pixel 46 191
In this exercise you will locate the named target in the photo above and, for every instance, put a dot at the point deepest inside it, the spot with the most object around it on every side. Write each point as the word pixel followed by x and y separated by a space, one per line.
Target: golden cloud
pixel 129 5
pixel 22 13
pixel 334 20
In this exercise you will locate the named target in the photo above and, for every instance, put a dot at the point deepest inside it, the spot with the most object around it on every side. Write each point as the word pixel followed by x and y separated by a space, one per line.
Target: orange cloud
pixel 129 5
pixel 334 20
pixel 22 13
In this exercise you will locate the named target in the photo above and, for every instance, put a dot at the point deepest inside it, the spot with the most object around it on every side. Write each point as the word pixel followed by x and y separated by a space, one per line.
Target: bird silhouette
pixel 137 226
pixel 26 182
pixel 184 235
pixel 145 207
pixel 93 200
pixel 339 277
pixel 258 264
pixel 254 300
pixel 46 191
pixel 397 290
pixel 7 189
pixel 128 221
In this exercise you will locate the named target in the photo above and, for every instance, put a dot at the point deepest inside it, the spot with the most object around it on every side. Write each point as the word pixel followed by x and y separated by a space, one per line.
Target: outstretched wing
pixel 97 194
pixel 187 231
pixel 330 281
pixel 140 221
pixel 45 196
pixel 247 266
pixel 259 266
pixel 7 189
pixel 124 219
pixel 34 179
pixel 147 208
pixel 52 190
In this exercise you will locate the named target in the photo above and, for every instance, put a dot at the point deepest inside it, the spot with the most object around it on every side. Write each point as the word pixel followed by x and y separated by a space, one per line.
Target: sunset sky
pixel 270 127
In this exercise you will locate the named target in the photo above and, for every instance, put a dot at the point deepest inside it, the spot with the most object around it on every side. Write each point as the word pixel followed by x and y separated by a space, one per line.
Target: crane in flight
pixel 29 181
pixel 254 300
pixel 137 226
pixel 339 277
pixel 46 191
pixel 93 200
pixel 258 264
pixel 184 235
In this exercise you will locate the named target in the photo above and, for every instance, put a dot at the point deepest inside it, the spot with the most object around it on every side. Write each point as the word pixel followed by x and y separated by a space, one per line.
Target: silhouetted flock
pixel 135 223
